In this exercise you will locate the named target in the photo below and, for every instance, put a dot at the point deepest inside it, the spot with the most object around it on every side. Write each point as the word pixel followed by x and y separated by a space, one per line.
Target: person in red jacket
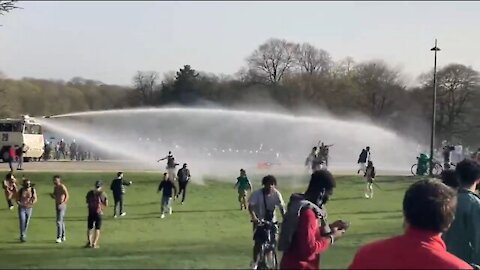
pixel 428 209
pixel 11 157
pixel 305 232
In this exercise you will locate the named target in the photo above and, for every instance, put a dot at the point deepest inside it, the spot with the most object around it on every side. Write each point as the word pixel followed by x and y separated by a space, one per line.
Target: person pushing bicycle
pixel 261 206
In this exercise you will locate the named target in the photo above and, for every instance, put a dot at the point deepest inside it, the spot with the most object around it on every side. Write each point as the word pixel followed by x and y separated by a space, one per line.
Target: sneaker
pixel 367 196
pixel 11 207
pixel 95 246
pixel 182 203
pixel 253 265
pixel 59 240
pixel 170 211
pixel 123 214
pixel 64 239
pixel 115 216
pixel 162 216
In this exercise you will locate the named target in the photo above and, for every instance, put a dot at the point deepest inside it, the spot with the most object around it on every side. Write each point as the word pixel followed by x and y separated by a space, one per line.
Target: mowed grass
pixel 209 231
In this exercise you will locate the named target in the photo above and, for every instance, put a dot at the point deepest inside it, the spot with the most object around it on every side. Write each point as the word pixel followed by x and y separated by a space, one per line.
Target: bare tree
pixel 312 60
pixel 272 60
pixel 457 86
pixel 145 84
pixel 378 85
pixel 7 6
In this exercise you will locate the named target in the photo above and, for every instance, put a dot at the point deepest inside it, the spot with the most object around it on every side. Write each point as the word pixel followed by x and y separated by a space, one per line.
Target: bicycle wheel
pixel 270 260
pixel 414 169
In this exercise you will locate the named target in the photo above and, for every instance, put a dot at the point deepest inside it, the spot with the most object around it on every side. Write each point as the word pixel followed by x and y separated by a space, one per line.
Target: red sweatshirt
pixel 307 244
pixel 416 249
pixel 11 152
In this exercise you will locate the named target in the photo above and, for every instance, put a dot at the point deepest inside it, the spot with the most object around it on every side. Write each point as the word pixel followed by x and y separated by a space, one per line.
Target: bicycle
pixel 267 257
pixel 437 168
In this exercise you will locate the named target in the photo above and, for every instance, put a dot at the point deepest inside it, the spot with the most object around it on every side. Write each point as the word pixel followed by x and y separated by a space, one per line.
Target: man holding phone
pixel 303 238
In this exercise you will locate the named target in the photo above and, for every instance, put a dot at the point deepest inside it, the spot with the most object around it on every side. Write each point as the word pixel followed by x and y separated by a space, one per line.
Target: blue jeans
pixel 61 209
pixel 24 215
pixel 166 204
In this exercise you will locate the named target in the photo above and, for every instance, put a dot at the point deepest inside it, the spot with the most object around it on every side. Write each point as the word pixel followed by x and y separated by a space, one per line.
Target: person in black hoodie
pixel 183 177
pixel 118 190
pixel 169 191
pixel 363 158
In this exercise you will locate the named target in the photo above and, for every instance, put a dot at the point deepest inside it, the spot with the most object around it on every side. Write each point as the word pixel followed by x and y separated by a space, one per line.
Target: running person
pixel 370 176
pixel 243 186
pixel 183 177
pixel 170 165
pixel 27 197
pixel 96 200
pixel 10 188
pixel 261 206
pixel 169 191
pixel 363 158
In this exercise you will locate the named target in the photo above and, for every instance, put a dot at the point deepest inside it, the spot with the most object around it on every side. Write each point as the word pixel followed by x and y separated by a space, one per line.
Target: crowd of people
pixel 73 151
pixel 440 216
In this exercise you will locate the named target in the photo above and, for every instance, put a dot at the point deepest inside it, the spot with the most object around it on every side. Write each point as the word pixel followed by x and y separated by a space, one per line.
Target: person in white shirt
pixel 261 206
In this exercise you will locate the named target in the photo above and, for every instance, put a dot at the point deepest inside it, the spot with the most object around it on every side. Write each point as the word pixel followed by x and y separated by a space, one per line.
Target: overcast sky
pixel 110 41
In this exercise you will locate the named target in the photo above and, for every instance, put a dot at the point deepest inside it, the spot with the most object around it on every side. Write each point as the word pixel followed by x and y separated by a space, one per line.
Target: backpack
pixel 95 202
pixel 290 221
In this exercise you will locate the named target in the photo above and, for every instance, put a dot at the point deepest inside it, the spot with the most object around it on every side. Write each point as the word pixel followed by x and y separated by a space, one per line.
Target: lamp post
pixel 434 109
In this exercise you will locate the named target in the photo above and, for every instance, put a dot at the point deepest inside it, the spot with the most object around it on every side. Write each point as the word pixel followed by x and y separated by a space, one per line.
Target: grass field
pixel 209 231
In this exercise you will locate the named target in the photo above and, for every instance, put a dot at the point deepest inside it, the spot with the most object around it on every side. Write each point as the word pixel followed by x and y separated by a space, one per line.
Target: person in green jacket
pixel 244 186
pixel 463 237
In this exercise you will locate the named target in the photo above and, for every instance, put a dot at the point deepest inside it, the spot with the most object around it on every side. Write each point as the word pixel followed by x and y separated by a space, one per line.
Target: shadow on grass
pixel 347 198
pixel 397 216
pixel 368 212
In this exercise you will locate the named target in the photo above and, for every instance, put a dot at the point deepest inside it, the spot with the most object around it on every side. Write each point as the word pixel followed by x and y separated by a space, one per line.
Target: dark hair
pixel 56 176
pixel 468 172
pixel 370 163
pixel 9 176
pixel 269 180
pixel 450 178
pixel 319 181
pixel 119 173
pixel 429 205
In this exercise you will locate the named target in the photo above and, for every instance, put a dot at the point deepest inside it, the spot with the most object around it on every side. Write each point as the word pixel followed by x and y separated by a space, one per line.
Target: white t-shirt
pixel 273 200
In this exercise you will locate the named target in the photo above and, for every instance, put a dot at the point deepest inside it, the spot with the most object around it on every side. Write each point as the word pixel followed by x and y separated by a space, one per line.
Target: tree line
pixel 296 77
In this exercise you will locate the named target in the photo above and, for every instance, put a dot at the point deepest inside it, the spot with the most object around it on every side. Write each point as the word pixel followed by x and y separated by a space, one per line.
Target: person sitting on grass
pixel 428 209
pixel 244 186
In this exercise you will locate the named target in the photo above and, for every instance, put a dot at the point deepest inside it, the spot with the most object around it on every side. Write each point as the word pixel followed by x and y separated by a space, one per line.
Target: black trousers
pixel 182 189
pixel 118 202
pixel 10 203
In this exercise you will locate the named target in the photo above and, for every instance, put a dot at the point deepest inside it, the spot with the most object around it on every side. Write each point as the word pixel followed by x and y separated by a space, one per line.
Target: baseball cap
pixel 99 183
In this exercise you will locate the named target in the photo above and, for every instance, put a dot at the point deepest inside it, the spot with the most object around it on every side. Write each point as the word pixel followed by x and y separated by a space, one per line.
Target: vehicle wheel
pixel 27 159
pixel 414 169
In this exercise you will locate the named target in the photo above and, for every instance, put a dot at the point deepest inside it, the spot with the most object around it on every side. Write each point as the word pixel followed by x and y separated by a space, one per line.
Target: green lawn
pixel 209 231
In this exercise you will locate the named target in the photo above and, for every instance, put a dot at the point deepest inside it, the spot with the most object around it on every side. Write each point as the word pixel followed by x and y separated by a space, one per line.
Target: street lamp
pixel 434 111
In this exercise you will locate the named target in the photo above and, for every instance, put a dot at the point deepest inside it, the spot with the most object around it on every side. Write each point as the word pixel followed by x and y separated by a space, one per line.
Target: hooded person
pixel 305 232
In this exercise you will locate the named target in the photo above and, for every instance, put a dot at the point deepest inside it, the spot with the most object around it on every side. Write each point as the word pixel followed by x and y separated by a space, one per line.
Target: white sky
pixel 110 41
